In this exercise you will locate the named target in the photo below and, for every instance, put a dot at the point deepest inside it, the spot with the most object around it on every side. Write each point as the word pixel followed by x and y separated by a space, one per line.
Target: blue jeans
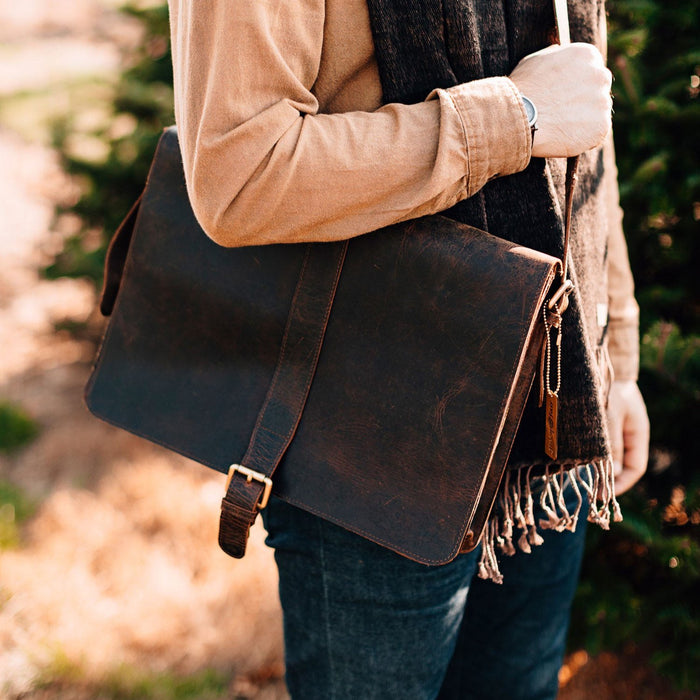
pixel 361 622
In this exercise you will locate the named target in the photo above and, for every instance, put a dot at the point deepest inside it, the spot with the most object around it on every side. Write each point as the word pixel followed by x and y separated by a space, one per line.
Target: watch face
pixel 529 110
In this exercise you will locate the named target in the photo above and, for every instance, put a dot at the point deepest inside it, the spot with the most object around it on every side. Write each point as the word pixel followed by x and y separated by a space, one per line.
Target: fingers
pixel 628 426
pixel 617 443
pixel 636 447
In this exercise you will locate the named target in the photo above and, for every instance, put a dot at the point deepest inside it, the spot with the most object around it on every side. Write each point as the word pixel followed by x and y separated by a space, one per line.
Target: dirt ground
pixel 119 566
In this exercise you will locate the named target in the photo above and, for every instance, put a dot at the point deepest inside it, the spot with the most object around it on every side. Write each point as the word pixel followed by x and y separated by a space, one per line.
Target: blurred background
pixel 111 581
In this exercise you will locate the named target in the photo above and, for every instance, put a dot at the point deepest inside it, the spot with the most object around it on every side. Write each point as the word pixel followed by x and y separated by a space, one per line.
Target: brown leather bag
pixel 381 379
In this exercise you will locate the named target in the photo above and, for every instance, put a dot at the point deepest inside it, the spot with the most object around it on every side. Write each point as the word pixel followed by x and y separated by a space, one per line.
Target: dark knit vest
pixel 425 44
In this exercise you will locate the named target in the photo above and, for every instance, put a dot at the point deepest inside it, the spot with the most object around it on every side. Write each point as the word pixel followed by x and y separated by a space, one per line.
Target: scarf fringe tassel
pixel 515 510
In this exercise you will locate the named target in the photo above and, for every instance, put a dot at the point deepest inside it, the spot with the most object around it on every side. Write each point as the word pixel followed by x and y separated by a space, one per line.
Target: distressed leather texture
pixel 382 388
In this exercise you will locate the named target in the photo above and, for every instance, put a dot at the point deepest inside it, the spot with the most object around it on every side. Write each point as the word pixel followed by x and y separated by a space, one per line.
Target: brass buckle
pixel 252 476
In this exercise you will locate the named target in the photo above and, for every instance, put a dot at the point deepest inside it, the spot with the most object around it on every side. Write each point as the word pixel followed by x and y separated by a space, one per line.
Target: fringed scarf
pixel 425 44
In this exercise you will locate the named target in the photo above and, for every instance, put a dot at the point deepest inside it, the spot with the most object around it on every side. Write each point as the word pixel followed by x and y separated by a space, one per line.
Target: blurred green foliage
pixel 129 684
pixel 15 508
pixel 16 427
pixel 654 53
pixel 63 676
pixel 142 105
pixel 640 581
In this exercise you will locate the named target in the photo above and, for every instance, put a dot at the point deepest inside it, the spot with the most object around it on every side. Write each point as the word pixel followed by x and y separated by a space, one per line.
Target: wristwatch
pixel 531 112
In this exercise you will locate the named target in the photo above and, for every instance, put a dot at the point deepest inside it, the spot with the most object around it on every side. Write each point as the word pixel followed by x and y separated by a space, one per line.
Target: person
pixel 289 133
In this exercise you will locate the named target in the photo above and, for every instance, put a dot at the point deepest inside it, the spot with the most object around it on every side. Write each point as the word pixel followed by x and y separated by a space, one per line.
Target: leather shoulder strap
pixel 561 17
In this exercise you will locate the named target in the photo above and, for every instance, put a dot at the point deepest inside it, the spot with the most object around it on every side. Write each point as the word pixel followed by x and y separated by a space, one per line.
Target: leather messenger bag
pixel 376 382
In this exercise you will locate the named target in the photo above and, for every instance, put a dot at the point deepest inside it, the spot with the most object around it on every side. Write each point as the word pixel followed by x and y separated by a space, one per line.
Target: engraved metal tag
pixel 550 428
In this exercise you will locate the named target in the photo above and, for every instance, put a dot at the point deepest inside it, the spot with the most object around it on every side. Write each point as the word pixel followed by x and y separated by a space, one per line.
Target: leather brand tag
pixel 550 425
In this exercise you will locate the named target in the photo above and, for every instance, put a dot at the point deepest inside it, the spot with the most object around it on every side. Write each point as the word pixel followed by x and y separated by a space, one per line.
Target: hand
pixel 628 426
pixel 570 87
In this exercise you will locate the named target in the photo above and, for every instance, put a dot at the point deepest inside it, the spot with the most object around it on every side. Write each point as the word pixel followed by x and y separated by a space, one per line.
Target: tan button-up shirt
pixel 284 137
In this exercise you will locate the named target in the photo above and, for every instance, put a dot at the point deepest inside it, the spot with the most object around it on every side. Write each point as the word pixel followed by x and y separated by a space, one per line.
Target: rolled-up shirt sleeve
pixel 264 164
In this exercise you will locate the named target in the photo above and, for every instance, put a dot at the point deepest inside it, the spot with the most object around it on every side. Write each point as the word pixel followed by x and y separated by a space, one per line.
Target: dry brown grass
pixel 129 573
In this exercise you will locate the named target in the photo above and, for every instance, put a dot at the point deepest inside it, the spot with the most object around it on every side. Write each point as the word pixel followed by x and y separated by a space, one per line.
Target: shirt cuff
pixel 497 138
